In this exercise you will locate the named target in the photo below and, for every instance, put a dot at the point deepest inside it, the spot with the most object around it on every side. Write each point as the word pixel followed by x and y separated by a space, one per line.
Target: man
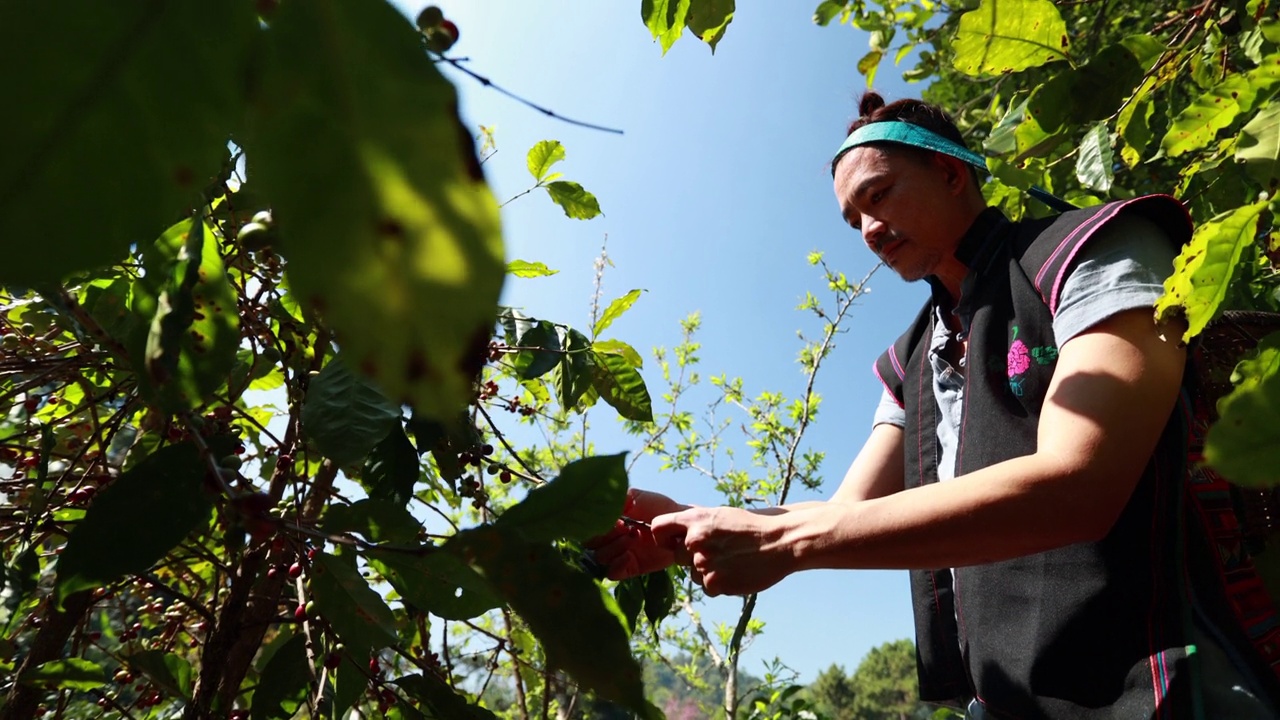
pixel 1026 462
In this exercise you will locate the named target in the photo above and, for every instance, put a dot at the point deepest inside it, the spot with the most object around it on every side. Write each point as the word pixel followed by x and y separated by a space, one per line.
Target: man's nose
pixel 873 231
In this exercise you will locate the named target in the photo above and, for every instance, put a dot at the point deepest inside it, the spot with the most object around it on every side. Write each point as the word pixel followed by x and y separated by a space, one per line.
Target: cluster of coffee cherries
pixel 440 32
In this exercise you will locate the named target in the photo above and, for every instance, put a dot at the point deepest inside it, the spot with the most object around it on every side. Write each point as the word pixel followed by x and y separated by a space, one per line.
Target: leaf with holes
pixel 583 501
pixel 1202 272
pixel 435 581
pixel 1005 36
pixel 345 415
pixel 399 249
pixel 357 614
pixel 1244 445
pixel 159 83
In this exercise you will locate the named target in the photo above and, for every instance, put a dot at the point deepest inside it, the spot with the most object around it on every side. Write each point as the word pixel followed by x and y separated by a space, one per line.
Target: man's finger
pixel 669 530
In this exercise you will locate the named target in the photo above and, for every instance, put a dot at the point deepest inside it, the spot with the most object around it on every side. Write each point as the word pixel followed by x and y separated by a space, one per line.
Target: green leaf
pixel 576 202
pixel 379 521
pixel 1259 146
pixel 576 622
pixel 827 11
pixel 1005 36
pixel 868 65
pixel 1218 107
pixel 284 683
pixel 665 20
pixel 1244 445
pixel 1086 94
pixel 357 614
pixel 708 19
pixel 659 596
pixel 345 415
pixel 168 671
pixel 159 84
pixel 350 683
pixel 573 374
pixel 615 310
pixel 542 156
pixel 435 581
pixel 400 249
pixel 391 471
pixel 1202 272
pixel 525 269
pixel 434 694
pixel 135 520
pixel 195 331
pixel 1093 163
pixel 1134 126
pixel 584 501
pixel 72 674
pixel 541 351
pixel 617 347
pixel 1001 139
pixel 620 385
pixel 629 594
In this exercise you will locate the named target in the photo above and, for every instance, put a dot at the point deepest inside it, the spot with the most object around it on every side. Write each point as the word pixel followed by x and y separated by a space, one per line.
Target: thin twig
pixel 527 103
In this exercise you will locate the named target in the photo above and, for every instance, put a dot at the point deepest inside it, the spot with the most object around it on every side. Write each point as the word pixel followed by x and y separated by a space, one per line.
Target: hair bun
pixel 870 102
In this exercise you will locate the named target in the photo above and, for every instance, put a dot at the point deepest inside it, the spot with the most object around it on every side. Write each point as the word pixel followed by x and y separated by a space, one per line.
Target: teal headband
pixel 905 133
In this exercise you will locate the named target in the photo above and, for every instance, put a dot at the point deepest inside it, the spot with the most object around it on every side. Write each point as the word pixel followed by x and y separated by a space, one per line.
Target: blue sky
pixel 712 199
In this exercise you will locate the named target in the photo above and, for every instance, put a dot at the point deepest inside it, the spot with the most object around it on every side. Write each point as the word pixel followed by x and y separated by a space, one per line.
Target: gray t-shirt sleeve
pixel 888 411
pixel 1123 268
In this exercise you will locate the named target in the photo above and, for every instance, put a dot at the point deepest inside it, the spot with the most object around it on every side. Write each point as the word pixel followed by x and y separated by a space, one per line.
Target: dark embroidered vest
pixel 1092 630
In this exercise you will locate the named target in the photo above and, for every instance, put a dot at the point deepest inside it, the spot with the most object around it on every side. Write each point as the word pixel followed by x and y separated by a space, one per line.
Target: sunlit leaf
pixel 576 202
pixel 614 311
pixel 1086 94
pixel 435 581
pixel 1244 445
pixel 868 65
pixel 1134 126
pixel 827 11
pixel 708 19
pixel 526 269
pixel 399 248
pixel 617 347
pixel 345 415
pixel 1202 272
pixel 159 84
pixel 71 673
pixel 665 19
pixel 1005 36
pixel 1259 147
pixel 542 156
pixel 583 501
pixel 138 518
pixel 1218 107
pixel 621 385
pixel 1093 163
pixel 573 374
pixel 358 614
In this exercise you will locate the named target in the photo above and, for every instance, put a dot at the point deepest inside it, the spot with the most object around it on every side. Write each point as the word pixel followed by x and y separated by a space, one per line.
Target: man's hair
pixel 872 108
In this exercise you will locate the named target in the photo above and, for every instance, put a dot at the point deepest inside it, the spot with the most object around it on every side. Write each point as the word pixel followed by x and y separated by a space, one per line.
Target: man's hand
pixel 732 551
pixel 629 548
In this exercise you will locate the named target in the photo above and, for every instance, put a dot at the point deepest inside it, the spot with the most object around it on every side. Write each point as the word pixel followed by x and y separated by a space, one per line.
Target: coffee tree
pixel 255 380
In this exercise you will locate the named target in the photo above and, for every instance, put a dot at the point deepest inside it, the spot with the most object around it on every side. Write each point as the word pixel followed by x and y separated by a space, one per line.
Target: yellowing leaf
pixel 1202 272
pixel 1005 36
pixel 526 269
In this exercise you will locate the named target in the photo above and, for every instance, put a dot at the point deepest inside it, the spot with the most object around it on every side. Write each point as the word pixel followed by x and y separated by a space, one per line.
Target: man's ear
pixel 956 172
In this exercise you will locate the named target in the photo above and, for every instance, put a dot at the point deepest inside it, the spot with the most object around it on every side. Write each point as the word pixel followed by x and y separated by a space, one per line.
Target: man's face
pixel 905 205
